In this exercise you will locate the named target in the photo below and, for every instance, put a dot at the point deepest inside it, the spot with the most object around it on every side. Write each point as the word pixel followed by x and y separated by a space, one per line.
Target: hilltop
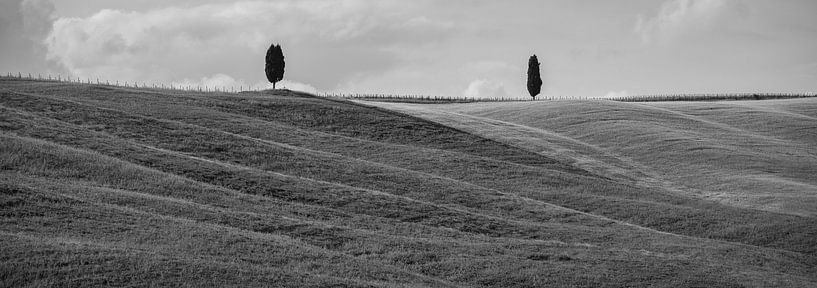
pixel 112 186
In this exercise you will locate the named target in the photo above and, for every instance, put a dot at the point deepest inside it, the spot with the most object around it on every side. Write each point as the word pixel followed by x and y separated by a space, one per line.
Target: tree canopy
pixel 534 79
pixel 274 67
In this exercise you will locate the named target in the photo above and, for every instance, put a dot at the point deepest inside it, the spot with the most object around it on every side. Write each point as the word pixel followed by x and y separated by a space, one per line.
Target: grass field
pixel 107 186
pixel 753 154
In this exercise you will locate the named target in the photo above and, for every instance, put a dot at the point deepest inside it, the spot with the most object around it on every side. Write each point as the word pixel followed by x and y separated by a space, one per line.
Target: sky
pixel 473 48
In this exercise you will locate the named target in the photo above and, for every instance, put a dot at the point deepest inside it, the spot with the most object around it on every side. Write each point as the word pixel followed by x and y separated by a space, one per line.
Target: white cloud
pixel 676 17
pixel 482 88
pixel 325 42
pixel 227 83
pixel 297 86
pixel 220 81
pixel 616 94
pixel 290 85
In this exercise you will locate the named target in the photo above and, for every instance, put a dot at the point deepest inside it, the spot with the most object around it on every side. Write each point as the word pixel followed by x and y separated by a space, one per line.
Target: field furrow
pixel 101 185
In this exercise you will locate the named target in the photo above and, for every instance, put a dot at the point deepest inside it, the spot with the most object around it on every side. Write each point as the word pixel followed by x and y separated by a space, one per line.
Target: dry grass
pixel 748 156
pixel 746 153
pixel 116 187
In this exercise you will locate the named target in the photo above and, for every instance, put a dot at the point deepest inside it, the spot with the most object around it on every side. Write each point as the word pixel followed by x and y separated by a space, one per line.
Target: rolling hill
pixel 112 186
pixel 753 154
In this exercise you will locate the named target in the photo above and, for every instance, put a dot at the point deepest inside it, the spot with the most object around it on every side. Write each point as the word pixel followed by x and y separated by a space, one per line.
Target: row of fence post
pixel 419 97
pixel 633 98
pixel 133 84
pixel 424 98
pixel 713 96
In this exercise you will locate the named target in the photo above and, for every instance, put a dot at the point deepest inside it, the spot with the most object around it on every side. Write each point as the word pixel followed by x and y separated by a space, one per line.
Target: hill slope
pixel 115 186
pixel 753 154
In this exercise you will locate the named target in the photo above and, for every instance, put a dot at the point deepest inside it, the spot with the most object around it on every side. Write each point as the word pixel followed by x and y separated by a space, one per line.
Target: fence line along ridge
pixel 416 98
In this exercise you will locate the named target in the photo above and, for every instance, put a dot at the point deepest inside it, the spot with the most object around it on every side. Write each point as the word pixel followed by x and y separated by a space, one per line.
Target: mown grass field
pixel 106 186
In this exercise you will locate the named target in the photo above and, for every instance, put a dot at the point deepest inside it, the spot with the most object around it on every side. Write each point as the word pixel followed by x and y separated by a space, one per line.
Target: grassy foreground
pixel 105 186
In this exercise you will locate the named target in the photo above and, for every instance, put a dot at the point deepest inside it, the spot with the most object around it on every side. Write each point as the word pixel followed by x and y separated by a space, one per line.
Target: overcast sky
pixel 445 47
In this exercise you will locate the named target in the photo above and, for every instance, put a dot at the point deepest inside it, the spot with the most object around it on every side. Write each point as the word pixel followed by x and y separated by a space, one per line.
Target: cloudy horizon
pixel 468 48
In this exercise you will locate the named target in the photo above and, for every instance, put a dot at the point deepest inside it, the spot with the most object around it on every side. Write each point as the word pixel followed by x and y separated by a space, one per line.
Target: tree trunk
pixel 273 85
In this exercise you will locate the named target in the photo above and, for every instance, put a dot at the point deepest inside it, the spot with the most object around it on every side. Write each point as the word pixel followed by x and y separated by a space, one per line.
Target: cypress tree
pixel 534 80
pixel 274 67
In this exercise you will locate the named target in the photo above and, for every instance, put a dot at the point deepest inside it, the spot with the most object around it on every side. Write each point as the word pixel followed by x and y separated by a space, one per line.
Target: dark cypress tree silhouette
pixel 534 80
pixel 274 64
